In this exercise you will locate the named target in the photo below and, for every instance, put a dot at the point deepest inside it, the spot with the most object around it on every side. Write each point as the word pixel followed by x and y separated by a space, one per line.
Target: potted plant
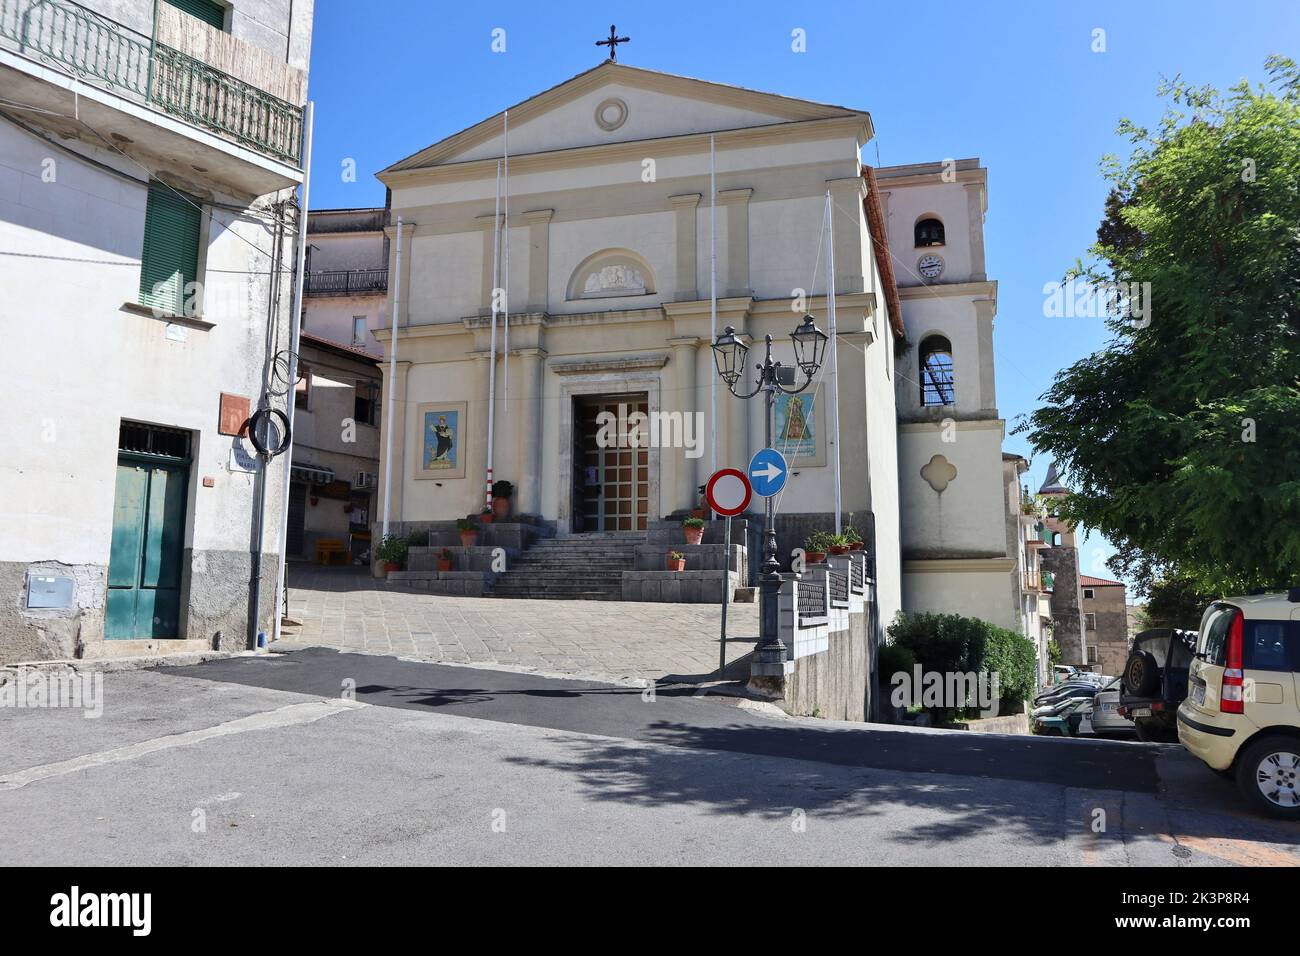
pixel 693 529
pixel 444 559
pixel 486 515
pixel 502 492
pixel 392 552
pixel 698 511
pixel 815 547
pixel 852 537
pixel 468 528
pixel 676 561
pixel 839 544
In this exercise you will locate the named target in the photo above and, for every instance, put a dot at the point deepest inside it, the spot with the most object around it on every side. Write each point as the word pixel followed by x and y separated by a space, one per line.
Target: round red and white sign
pixel 728 492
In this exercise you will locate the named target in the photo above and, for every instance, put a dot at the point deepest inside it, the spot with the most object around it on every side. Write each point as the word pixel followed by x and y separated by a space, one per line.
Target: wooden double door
pixel 611 477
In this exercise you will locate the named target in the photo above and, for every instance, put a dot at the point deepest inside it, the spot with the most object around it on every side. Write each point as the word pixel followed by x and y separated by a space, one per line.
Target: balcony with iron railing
pixel 347 282
pixel 76 40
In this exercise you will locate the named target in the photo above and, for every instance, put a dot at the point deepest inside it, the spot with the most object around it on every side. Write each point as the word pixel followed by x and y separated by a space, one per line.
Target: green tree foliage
pixel 1175 602
pixel 1182 437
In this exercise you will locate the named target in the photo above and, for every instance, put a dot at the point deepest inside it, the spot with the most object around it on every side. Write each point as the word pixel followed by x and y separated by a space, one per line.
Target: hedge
pixel 951 643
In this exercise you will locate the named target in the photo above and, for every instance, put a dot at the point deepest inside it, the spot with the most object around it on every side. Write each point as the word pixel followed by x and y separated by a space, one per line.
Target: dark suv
pixel 1154 681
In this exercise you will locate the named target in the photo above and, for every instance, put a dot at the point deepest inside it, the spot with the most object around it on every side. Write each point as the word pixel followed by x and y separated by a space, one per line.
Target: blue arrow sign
pixel 768 472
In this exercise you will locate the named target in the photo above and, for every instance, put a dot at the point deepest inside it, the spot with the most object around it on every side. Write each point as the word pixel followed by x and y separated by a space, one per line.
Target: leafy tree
pixel 1175 602
pixel 1182 437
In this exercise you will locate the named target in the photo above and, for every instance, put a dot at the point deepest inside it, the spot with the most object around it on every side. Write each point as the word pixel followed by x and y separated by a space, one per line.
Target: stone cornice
pixel 612 363
pixel 949 565
pixel 985 289
pixel 580 156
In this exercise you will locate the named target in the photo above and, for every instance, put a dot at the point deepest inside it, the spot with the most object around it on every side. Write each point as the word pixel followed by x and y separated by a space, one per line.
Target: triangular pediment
pixel 614 103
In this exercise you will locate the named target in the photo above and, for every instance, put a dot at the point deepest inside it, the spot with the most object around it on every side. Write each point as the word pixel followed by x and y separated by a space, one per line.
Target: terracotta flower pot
pixel 855 545
pixel 467 538
pixel 694 535
pixel 501 507
pixel 391 566
pixel 814 557
pixel 444 565
pixel 486 517
pixel 678 565
pixel 839 549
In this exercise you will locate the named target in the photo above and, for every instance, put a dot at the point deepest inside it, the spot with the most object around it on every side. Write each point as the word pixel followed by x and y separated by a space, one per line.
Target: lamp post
pixel 729 352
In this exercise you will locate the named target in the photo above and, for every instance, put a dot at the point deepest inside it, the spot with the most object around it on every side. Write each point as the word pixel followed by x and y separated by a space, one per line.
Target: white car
pixel 1105 715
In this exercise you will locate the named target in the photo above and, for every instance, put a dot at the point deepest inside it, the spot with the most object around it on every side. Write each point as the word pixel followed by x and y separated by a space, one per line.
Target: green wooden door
pixel 144 568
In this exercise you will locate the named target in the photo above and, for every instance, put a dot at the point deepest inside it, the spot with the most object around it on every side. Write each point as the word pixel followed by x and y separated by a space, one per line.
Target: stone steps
pixel 572 568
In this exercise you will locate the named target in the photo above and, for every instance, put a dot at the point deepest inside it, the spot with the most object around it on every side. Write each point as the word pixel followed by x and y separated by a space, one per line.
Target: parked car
pixel 1242 712
pixel 1154 681
pixel 1062 691
pixel 1066 718
pixel 1105 718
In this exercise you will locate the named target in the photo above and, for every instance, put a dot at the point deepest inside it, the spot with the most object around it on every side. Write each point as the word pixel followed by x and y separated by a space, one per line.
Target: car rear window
pixel 1212 642
pixel 1271 645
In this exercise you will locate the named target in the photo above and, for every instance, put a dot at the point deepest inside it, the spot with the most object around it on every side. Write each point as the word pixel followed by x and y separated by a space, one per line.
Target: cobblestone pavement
pixel 346 608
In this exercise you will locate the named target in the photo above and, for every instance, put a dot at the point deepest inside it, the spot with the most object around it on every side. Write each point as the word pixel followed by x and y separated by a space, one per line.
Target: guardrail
pixel 109 54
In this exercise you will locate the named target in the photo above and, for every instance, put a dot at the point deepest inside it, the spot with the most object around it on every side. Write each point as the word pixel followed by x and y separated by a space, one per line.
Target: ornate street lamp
pixel 729 353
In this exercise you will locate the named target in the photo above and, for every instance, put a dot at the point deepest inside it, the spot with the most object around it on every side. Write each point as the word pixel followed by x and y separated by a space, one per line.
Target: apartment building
pixel 149 158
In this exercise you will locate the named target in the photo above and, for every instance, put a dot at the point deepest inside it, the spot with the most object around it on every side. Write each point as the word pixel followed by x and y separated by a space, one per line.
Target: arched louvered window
pixel 936 372
pixel 929 232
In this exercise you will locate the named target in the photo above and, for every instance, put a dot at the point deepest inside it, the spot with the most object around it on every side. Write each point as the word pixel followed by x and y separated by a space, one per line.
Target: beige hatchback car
pixel 1242 712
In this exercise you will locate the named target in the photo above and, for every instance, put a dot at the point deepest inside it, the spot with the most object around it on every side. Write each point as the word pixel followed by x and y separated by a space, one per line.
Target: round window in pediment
pixel 611 114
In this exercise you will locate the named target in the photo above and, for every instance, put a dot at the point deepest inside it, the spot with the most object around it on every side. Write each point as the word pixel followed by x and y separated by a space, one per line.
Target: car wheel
pixel 1268 775
pixel 1141 674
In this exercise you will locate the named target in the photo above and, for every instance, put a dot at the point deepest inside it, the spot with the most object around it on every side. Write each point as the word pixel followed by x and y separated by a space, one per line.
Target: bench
pixel 327 548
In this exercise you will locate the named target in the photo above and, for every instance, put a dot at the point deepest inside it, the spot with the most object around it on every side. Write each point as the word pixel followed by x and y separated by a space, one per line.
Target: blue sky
pixel 1015 83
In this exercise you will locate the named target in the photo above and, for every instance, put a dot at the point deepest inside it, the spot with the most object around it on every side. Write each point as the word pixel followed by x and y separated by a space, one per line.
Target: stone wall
pixel 830 647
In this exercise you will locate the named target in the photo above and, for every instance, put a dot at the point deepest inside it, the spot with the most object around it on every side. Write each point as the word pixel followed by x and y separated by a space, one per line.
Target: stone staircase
pixel 580 567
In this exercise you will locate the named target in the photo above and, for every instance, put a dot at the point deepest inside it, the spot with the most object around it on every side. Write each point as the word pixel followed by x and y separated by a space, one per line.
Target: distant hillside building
pixel 1105 623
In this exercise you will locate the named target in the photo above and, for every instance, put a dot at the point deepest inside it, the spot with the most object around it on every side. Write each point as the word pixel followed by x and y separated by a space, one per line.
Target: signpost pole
pixel 726 597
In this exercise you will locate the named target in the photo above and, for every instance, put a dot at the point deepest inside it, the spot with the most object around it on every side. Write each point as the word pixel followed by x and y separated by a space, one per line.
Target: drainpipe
pixel 395 284
pixel 294 339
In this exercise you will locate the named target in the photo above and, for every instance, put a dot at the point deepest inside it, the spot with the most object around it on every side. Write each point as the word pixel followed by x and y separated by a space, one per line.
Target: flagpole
pixel 713 309
pixel 492 352
pixel 505 264
pixel 834 356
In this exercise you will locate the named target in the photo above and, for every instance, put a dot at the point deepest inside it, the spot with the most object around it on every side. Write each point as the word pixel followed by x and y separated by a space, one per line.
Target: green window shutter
pixel 213 14
pixel 170 258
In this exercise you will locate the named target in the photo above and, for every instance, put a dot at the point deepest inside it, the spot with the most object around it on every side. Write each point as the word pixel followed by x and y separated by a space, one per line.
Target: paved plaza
pixel 346 608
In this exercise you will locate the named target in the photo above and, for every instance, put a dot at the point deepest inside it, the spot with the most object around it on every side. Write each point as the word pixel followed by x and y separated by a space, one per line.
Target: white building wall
pixel 78 363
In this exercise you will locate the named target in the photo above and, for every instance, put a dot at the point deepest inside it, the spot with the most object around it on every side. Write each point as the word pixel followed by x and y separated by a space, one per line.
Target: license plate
pixel 1198 693
pixel 1140 712
pixel 1109 708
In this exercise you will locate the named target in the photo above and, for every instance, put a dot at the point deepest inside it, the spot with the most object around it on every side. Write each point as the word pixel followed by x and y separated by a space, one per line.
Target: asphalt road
pixel 260 761
pixel 678 718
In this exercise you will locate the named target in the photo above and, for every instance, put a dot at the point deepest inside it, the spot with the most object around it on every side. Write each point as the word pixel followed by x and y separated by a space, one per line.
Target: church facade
pixel 607 236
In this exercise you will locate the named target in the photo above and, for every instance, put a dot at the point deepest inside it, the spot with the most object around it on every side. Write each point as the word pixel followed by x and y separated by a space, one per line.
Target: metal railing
pixel 838 585
pixel 811 602
pixel 109 54
pixel 346 282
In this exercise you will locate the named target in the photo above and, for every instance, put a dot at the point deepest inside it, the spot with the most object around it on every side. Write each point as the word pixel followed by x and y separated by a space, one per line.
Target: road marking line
pixel 292 715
